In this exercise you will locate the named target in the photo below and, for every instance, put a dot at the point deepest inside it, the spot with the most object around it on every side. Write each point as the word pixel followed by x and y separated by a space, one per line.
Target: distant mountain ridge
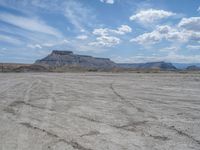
pixel 62 61
pixel 193 68
pixel 185 65
pixel 150 65
pixel 68 59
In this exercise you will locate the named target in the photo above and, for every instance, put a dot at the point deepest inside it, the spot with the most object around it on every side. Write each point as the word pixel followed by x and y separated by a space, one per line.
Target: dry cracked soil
pixel 99 111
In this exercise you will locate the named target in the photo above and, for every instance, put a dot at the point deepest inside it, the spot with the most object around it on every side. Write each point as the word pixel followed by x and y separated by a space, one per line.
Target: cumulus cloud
pixel 192 23
pixel 105 41
pixel 105 36
pixel 147 38
pixel 168 33
pixel 108 1
pixel 101 31
pixel 82 37
pixel 198 9
pixel 151 15
pixel 123 29
pixel 31 24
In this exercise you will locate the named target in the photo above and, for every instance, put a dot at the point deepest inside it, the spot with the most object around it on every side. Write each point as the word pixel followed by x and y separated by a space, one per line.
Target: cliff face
pixel 68 59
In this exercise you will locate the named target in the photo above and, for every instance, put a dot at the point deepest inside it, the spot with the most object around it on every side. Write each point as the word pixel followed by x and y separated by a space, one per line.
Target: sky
pixel 126 31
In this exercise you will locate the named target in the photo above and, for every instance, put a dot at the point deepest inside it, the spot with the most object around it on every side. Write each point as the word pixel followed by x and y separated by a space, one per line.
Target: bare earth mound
pixel 99 111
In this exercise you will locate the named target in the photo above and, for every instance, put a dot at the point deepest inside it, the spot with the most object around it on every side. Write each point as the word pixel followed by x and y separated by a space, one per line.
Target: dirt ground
pixel 99 111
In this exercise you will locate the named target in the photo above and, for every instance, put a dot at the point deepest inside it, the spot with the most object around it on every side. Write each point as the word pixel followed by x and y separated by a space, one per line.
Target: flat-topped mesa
pixel 62 52
pixel 67 59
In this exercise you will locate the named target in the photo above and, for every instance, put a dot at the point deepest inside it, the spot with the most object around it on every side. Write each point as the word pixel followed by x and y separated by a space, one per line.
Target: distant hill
pixel 150 65
pixel 63 61
pixel 9 67
pixel 66 59
pixel 185 65
pixel 193 68
pixel 15 67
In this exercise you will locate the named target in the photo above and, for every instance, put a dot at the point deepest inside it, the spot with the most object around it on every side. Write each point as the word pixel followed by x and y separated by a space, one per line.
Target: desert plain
pixel 99 111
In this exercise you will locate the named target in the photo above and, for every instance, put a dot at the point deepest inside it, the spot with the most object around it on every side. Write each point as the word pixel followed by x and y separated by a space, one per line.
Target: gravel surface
pixel 99 111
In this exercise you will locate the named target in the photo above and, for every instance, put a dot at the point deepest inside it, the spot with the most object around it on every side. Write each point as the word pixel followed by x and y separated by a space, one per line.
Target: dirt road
pixel 99 111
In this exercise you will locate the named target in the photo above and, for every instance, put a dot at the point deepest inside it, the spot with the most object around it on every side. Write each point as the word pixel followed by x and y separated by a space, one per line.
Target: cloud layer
pixel 151 15
pixel 31 24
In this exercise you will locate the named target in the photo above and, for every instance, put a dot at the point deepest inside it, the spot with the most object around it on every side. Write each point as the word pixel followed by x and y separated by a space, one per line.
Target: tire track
pixel 181 133
pixel 72 143
pixel 123 99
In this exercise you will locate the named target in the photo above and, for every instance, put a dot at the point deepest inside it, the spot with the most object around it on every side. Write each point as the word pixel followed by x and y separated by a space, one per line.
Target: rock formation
pixel 63 61
pixel 68 59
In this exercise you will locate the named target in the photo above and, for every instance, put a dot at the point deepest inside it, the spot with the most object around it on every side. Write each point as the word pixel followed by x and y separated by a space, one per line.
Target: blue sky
pixel 123 30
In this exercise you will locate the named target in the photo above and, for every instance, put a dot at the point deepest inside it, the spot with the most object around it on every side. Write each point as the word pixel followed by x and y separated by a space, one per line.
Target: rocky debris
pixel 68 59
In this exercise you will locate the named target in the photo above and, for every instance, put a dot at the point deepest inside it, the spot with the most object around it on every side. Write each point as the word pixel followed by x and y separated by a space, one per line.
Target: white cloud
pixel 123 29
pixel 82 37
pixel 105 41
pixel 55 43
pixel 192 23
pixel 147 38
pixel 198 9
pixel 171 33
pixel 101 31
pixel 28 36
pixel 173 57
pixel 34 46
pixel 78 15
pixel 171 48
pixel 48 44
pixel 31 24
pixel 106 38
pixel 168 33
pixel 9 39
pixel 151 15
pixel 108 1
pixel 193 47
pixel 75 11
